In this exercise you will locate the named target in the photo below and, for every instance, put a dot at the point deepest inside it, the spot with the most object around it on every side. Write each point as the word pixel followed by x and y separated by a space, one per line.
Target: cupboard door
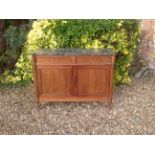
pixel 54 81
pixel 93 80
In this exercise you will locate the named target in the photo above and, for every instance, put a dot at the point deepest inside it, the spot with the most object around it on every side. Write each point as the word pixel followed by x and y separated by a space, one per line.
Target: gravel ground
pixel 133 112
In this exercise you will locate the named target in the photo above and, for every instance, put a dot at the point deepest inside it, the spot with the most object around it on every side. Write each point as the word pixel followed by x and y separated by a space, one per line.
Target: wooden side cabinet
pixel 73 77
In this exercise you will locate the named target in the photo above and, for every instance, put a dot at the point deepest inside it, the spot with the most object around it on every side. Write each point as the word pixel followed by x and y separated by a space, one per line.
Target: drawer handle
pixel 92 59
pixel 54 60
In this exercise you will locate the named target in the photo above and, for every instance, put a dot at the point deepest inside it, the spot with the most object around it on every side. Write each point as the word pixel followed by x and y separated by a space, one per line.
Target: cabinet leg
pixel 38 103
pixel 110 104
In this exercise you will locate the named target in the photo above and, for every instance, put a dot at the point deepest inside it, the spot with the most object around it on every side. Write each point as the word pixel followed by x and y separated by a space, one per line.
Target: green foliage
pixel 15 36
pixel 9 79
pixel 120 35
pixel 14 40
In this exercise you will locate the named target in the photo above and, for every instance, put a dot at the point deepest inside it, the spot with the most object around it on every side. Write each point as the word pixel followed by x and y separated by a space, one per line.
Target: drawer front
pixel 94 59
pixel 55 60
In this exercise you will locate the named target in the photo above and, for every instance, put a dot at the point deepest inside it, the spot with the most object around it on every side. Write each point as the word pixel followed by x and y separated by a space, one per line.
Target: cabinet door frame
pixel 93 66
pixel 55 67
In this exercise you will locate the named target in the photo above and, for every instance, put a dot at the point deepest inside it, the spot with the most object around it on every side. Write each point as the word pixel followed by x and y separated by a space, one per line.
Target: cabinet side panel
pixel 111 80
pixel 35 78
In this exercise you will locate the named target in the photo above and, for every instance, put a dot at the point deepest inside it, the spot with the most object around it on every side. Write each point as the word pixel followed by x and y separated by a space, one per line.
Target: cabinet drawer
pixel 55 60
pixel 94 59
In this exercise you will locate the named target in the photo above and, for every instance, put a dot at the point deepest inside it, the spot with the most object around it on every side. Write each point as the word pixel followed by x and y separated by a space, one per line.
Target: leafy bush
pixel 14 40
pixel 15 36
pixel 120 35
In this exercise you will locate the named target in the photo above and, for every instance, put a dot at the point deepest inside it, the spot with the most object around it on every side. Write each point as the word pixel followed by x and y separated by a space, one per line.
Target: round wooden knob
pixel 54 60
pixel 92 59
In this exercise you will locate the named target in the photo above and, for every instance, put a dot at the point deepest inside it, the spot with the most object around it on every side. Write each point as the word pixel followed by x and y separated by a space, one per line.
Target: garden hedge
pixel 121 36
pixel 14 38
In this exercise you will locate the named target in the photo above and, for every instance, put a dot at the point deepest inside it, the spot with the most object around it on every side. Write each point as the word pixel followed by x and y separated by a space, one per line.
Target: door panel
pixel 55 81
pixel 92 80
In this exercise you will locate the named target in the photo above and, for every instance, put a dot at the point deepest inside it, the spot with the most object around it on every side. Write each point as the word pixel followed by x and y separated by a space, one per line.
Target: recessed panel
pixel 55 81
pixel 92 81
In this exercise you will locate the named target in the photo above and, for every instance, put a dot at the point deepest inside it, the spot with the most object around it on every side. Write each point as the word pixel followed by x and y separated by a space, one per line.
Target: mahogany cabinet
pixel 63 75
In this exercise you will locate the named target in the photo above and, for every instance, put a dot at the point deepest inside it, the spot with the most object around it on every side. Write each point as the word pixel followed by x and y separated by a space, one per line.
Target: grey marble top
pixel 74 51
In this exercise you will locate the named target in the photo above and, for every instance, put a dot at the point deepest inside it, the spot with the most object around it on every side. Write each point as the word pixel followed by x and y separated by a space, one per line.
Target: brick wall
pixel 147 45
